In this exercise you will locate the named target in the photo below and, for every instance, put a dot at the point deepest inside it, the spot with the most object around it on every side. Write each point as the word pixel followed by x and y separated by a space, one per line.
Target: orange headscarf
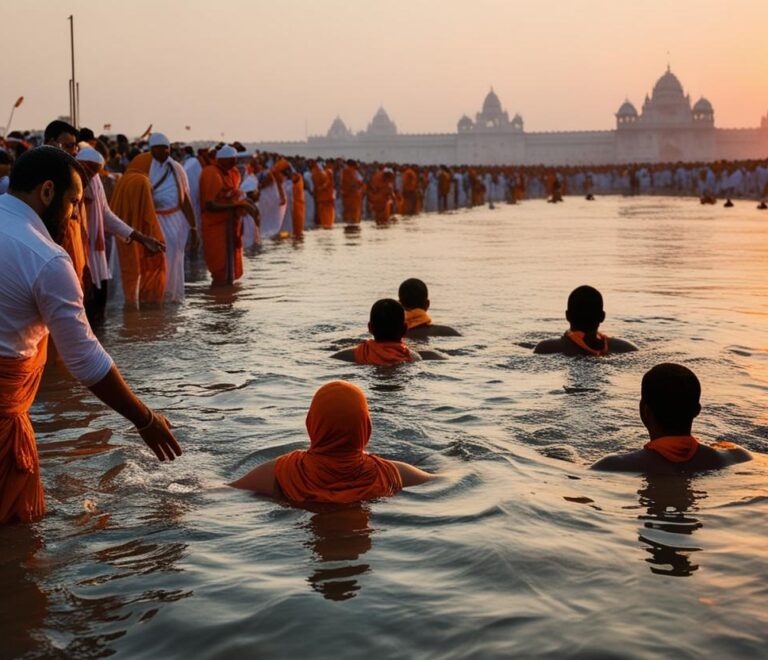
pixel 675 448
pixel 416 317
pixel 336 468
pixel 21 493
pixel 577 337
pixel 382 353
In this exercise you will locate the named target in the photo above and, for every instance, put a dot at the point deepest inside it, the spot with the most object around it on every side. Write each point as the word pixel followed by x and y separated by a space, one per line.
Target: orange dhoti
pixel 222 230
pixel 21 492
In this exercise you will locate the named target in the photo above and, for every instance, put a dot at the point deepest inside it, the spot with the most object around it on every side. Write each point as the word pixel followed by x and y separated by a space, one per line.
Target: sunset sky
pixel 256 70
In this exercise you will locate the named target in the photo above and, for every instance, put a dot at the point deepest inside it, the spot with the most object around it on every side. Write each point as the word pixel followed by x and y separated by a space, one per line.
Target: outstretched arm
pixel 348 355
pixel 411 475
pixel 259 480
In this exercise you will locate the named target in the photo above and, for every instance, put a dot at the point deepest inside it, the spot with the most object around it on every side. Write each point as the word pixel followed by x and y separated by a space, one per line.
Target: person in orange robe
pixel 669 402
pixel 444 182
pixel 336 468
pixel 352 190
pixel 387 348
pixel 410 185
pixel 324 195
pixel 381 194
pixel 298 204
pixel 143 273
pixel 222 205
pixel 584 314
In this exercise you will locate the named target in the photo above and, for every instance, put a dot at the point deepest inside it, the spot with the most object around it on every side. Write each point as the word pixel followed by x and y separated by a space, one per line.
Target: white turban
pixel 159 140
pixel 227 151
pixel 90 155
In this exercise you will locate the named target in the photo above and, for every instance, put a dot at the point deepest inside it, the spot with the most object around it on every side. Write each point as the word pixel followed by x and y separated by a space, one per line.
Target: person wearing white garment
pixel 272 204
pixel 170 193
pixel 251 233
pixel 193 166
pixel 101 221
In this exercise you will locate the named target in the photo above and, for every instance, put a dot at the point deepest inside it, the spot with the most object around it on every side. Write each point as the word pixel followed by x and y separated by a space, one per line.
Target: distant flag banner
pixel 19 101
pixel 107 127
pixel 147 132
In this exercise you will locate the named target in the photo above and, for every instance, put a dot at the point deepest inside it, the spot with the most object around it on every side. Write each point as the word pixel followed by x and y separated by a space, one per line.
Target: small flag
pixel 107 127
pixel 146 133
pixel 19 101
pixel 188 127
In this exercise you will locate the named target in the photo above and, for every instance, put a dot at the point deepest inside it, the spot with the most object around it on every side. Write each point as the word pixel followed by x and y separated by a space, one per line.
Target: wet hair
pixel 85 134
pixel 42 164
pixel 56 128
pixel 585 308
pixel 387 320
pixel 413 294
pixel 672 392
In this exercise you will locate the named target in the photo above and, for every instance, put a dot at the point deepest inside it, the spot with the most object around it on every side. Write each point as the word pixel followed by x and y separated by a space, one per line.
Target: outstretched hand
pixel 159 438
pixel 151 245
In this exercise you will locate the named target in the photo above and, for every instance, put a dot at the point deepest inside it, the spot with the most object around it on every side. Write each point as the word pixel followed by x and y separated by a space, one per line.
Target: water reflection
pixel 668 525
pixel 339 537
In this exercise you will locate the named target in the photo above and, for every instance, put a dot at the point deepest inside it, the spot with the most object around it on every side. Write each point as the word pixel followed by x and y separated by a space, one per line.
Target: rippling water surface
pixel 517 549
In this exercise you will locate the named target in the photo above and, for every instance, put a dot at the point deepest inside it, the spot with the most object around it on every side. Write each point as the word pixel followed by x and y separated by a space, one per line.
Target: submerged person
pixel 584 314
pixel 336 468
pixel 40 295
pixel 414 297
pixel 669 402
pixel 388 327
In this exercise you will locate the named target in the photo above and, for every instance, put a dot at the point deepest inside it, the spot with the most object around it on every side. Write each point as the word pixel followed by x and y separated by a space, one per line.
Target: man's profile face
pixel 160 153
pixel 67 142
pixel 63 208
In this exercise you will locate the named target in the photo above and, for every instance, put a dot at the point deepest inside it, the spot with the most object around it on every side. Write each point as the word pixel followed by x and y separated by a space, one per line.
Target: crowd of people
pixel 83 209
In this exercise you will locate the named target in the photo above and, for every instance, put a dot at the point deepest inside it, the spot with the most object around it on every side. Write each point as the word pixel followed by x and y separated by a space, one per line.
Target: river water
pixel 518 549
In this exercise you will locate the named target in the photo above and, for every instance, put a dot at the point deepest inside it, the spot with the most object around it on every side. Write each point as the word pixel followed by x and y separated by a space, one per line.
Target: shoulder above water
pixel 649 462
pixel 564 346
pixel 432 331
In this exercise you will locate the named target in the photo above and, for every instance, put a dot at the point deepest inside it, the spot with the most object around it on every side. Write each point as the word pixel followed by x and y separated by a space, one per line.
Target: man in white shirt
pixel 40 294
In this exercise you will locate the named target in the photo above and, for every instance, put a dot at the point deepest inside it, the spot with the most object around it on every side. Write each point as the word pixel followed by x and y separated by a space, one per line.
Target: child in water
pixel 584 314
pixel 669 402
pixel 414 297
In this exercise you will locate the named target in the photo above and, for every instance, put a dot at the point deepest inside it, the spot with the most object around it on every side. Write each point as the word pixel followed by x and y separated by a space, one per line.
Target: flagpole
pixel 75 109
pixel 7 128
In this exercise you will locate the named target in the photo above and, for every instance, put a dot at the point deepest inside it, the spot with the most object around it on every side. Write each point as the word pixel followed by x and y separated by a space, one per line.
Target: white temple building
pixel 667 129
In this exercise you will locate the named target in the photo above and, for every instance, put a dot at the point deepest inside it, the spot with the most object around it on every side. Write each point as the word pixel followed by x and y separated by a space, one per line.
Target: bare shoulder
pixel 616 345
pixel 431 355
pixel 550 346
pixel 635 461
pixel 424 331
pixel 348 355
pixel 411 475
pixel 722 454
pixel 259 480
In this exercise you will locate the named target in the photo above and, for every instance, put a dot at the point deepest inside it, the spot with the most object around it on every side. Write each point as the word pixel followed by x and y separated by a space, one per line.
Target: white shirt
pixel 4 184
pixel 39 292
pixel 166 195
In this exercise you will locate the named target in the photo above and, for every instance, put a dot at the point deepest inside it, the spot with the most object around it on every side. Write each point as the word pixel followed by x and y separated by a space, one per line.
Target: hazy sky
pixel 257 70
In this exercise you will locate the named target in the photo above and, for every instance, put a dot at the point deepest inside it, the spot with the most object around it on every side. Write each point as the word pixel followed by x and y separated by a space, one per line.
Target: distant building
pixel 667 129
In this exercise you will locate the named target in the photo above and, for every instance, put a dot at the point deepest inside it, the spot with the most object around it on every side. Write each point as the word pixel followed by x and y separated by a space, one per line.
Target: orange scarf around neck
pixel 382 353
pixel 336 467
pixel 417 317
pixel 577 337
pixel 675 448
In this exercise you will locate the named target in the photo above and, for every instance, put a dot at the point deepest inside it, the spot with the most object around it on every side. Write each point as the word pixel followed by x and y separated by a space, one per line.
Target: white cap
pixel 250 184
pixel 90 155
pixel 159 140
pixel 227 151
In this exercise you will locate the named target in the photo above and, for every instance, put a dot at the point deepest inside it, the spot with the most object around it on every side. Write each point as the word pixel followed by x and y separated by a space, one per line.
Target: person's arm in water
pixel 348 355
pixel 431 355
pixel 620 346
pixel 432 331
pixel 411 475
pixel 259 480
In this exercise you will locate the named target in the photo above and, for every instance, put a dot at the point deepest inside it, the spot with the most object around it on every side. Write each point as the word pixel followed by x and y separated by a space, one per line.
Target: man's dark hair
pixel 43 164
pixel 413 294
pixel 56 128
pixel 672 392
pixel 5 157
pixel 585 308
pixel 85 134
pixel 387 320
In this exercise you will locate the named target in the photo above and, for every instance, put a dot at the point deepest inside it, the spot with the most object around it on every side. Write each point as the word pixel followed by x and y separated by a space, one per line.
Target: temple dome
pixel 339 129
pixel 492 104
pixel 627 110
pixel 465 124
pixel 668 85
pixel 703 106
pixel 381 124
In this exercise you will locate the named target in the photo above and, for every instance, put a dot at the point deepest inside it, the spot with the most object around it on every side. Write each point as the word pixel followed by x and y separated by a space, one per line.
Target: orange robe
pixel 383 353
pixel 74 240
pixel 21 492
pixel 380 197
pixel 577 338
pixel 352 188
pixel 675 448
pixel 298 209
pixel 415 318
pixel 410 184
pixel 143 274
pixel 336 468
pixel 324 197
pixel 222 230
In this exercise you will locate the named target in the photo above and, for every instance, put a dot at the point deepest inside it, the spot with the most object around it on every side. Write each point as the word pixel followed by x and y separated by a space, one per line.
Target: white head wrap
pixel 90 155
pixel 159 140
pixel 227 151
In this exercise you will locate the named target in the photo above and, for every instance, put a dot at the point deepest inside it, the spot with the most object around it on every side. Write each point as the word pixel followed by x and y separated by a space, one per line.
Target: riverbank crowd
pixel 136 210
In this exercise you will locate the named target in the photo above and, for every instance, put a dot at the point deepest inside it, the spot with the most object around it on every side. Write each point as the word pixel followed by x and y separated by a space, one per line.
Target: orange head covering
pixel 577 337
pixel 675 448
pixel 336 468
pixel 383 353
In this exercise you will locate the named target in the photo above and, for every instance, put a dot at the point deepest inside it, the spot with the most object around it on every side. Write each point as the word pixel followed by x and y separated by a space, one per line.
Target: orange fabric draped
pixel 577 337
pixel 336 468
pixel 143 273
pixel 74 240
pixel 21 492
pixel 352 189
pixel 444 181
pixel 675 448
pixel 410 186
pixel 380 197
pixel 222 230
pixel 298 209
pixel 417 317
pixel 324 197
pixel 382 353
